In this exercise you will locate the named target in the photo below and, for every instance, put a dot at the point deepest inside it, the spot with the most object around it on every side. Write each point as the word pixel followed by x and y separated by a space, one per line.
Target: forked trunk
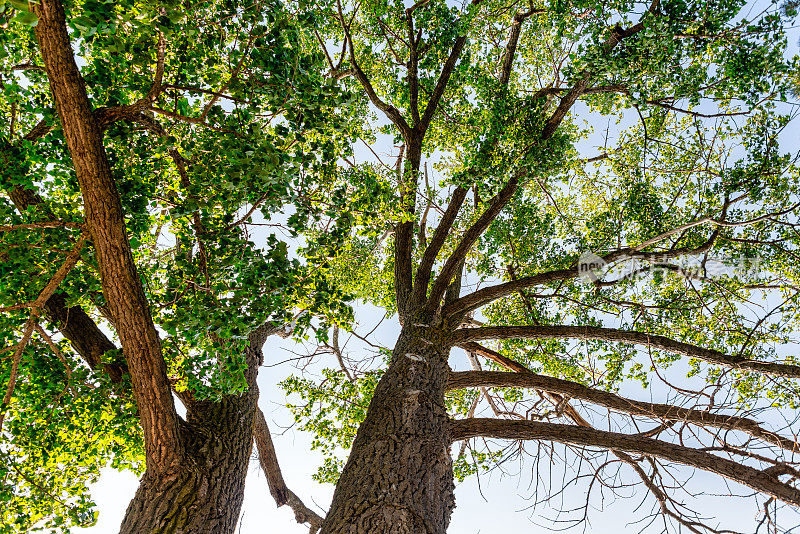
pixel 205 494
pixel 399 477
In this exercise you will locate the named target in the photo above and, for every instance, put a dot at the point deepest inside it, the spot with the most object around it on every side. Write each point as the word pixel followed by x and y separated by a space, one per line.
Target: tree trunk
pixel 204 495
pixel 122 286
pixel 194 482
pixel 399 478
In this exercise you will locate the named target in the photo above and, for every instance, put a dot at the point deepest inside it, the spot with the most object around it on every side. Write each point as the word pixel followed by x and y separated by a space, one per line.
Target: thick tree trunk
pixel 399 478
pixel 204 495
pixel 196 469
pixel 122 286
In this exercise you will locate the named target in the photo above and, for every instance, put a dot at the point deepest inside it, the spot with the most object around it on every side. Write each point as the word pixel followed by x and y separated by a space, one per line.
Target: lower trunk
pixel 205 494
pixel 399 478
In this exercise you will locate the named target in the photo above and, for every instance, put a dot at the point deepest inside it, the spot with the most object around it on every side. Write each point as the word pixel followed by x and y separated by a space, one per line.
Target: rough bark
pixel 196 469
pixel 86 338
pixel 104 217
pixel 398 478
pixel 204 494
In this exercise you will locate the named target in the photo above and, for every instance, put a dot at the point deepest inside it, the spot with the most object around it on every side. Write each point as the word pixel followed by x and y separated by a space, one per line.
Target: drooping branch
pixel 277 487
pixel 122 286
pixel 72 321
pixel 628 336
pixel 16 359
pixel 45 294
pixel 576 390
pixel 763 481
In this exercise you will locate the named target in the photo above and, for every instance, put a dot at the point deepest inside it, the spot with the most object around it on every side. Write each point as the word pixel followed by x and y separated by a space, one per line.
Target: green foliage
pixel 681 118
pixel 245 203
pixel 61 427
pixel 332 410
pixel 243 134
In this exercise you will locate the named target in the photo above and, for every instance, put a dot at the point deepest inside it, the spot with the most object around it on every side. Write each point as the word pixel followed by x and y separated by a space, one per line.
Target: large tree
pixel 559 165
pixel 141 142
pixel 586 194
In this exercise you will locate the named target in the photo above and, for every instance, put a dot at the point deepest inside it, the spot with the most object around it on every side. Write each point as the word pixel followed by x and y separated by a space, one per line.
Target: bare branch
pixel 627 336
pixel 576 390
pixel 277 487
pixel 761 481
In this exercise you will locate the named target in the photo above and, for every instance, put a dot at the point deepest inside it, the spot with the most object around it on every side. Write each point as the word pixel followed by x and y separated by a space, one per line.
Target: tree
pixel 180 128
pixel 572 269
pixel 141 143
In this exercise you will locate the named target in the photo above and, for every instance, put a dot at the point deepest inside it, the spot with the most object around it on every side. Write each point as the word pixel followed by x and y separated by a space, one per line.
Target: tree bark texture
pixel 398 478
pixel 122 287
pixel 195 470
pixel 204 495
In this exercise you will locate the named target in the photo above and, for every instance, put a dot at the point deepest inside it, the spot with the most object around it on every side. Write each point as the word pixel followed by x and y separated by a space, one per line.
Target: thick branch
pixel 486 295
pixel 277 487
pixel 576 435
pixel 467 240
pixel 441 83
pixel 423 274
pixel 615 402
pixel 627 336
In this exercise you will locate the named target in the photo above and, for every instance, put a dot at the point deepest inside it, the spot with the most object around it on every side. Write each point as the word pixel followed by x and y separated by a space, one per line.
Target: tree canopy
pixel 594 203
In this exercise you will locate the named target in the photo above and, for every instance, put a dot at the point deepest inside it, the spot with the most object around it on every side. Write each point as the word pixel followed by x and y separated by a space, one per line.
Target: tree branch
pixel 627 336
pixel 576 390
pixel 272 470
pixel 390 111
pixel 615 37
pixel 122 286
pixel 761 481
pixel 423 274
pixel 467 240
pixel 507 192
pixel 486 295
pixel 441 83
